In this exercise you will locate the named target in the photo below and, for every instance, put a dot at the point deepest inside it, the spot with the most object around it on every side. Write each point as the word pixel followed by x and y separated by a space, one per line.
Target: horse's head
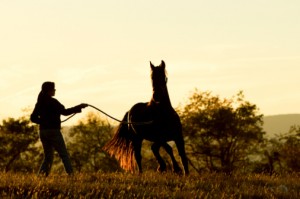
pixel 158 75
pixel 159 83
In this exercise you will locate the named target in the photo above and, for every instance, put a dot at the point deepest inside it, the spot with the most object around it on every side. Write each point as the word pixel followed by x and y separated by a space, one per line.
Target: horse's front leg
pixel 181 151
pixel 169 150
pixel 155 149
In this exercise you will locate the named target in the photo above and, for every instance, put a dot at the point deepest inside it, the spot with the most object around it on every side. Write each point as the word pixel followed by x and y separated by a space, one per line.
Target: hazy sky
pixel 98 52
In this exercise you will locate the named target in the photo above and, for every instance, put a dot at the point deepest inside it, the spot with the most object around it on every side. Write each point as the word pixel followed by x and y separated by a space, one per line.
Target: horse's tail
pixel 121 146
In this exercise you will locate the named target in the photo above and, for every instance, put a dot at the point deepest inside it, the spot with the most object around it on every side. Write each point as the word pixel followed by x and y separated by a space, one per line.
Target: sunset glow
pixel 98 52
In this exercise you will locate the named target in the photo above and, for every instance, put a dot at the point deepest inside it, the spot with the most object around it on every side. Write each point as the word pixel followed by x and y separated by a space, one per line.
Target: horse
pixel 165 126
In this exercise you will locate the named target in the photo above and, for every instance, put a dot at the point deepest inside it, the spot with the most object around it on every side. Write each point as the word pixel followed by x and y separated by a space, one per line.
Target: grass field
pixel 148 185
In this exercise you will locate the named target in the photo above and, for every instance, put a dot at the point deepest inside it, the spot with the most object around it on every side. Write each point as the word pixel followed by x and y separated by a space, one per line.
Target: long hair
pixel 121 147
pixel 43 95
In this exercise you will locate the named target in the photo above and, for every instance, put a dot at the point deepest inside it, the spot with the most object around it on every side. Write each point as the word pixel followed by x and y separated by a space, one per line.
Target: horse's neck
pixel 161 98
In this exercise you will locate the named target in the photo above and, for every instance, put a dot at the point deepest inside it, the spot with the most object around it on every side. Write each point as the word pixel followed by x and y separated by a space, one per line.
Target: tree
pixel 86 142
pixel 220 133
pixel 267 157
pixel 290 149
pixel 18 150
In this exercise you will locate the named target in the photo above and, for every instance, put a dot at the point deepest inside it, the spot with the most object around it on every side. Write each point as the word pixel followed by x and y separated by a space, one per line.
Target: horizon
pixel 99 52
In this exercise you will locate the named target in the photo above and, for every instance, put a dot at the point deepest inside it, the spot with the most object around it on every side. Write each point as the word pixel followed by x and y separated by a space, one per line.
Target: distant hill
pixel 276 124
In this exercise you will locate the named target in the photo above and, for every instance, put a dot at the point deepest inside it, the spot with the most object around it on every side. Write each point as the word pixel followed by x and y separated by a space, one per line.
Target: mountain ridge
pixel 280 123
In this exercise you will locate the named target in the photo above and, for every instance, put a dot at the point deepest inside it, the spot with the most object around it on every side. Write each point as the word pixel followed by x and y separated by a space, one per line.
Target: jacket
pixel 47 114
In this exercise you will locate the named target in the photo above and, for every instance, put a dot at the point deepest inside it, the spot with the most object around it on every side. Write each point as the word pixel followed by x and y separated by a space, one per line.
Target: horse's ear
pixel 163 64
pixel 151 65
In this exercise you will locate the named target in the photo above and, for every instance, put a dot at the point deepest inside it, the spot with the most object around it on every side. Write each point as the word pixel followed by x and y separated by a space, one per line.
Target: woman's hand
pixel 83 105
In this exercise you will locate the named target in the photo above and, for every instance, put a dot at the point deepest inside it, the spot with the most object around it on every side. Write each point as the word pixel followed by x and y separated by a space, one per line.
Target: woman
pixel 47 113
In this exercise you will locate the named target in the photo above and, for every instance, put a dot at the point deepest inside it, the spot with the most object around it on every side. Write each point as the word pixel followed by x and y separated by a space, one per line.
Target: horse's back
pixel 139 112
pixel 160 125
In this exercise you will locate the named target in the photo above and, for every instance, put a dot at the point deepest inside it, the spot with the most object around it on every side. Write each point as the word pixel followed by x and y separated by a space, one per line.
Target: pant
pixel 52 139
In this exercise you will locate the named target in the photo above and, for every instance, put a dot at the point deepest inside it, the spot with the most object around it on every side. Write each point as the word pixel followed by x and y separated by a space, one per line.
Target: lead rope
pixel 122 122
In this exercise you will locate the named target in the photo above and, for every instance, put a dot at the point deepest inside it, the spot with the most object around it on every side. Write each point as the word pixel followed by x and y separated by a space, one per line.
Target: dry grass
pixel 148 185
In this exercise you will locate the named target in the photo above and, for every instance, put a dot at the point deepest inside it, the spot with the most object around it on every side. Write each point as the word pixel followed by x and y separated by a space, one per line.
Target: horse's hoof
pixel 161 169
pixel 178 171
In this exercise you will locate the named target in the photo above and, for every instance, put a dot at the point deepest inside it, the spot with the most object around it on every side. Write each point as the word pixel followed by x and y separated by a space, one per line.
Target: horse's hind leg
pixel 155 149
pixel 137 144
pixel 181 151
pixel 169 150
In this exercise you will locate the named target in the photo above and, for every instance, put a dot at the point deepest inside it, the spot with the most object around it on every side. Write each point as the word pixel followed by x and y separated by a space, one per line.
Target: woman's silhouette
pixel 47 113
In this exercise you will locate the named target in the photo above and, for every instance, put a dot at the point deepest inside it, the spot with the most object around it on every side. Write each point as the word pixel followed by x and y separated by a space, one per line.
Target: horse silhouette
pixel 126 144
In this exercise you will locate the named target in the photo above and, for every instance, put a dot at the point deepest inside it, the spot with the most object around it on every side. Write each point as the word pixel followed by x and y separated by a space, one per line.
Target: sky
pixel 98 52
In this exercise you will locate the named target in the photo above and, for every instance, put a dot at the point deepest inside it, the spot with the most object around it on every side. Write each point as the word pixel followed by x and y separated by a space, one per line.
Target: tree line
pixel 221 135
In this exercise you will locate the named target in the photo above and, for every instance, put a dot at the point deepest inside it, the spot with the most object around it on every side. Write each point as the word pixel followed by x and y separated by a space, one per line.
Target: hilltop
pixel 277 124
